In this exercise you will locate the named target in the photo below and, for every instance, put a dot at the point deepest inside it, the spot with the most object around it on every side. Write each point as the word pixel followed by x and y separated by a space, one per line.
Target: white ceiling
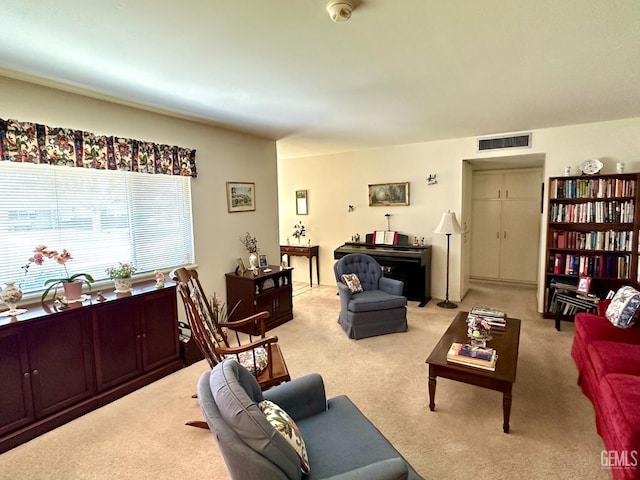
pixel 399 71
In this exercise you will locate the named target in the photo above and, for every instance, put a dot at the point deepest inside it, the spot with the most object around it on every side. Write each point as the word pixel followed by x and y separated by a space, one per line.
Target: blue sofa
pixel 341 443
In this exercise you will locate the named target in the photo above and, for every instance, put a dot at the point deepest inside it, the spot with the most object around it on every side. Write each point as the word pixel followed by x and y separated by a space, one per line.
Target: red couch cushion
pixel 590 327
pixel 614 357
pixel 620 401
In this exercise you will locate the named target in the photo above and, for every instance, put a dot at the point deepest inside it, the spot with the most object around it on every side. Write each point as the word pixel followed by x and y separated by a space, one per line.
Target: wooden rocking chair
pixel 262 356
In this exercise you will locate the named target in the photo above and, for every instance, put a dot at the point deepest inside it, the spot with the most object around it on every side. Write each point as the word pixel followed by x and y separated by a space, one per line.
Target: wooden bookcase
pixel 593 230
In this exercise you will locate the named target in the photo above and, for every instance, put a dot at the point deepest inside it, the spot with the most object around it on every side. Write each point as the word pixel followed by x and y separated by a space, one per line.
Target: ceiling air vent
pixel 511 141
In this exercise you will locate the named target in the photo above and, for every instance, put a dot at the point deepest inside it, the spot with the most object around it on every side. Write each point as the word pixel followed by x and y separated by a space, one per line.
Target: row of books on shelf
pixel 609 240
pixel 593 212
pixel 496 319
pixel 592 188
pixel 604 265
pixel 472 356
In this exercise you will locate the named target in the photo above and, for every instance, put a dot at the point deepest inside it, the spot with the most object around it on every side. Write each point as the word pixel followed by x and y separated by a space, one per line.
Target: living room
pixel 334 181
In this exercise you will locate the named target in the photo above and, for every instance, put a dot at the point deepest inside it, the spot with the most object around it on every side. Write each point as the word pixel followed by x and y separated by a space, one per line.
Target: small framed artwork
pixel 241 196
pixel 389 194
pixel 240 268
pixel 584 284
pixel 263 260
pixel 301 202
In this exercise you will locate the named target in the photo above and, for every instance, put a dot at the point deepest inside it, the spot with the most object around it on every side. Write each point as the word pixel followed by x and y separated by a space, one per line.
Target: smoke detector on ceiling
pixel 340 11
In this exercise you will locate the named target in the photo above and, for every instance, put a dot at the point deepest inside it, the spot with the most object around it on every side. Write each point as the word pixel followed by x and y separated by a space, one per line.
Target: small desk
pixel 308 251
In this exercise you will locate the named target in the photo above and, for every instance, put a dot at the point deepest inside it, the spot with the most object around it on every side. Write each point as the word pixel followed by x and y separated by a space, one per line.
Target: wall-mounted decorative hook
pixel 350 209
pixel 431 179
pixel 388 215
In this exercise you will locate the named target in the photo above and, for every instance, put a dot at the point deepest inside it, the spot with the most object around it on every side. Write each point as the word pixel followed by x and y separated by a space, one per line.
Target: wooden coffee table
pixel 502 380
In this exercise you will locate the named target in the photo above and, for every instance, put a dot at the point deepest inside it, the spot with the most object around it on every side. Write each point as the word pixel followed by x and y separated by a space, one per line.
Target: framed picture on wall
pixel 241 196
pixel 389 194
pixel 301 202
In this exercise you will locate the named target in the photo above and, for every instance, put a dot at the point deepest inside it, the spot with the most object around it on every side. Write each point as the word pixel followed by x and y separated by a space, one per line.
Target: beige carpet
pixel 143 436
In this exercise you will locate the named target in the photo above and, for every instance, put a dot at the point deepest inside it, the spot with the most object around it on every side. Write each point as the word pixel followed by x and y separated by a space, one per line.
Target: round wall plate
pixel 591 167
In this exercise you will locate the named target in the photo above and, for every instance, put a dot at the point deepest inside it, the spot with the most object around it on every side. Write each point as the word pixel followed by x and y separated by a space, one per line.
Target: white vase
pixel 253 261
pixel 123 285
pixel 11 295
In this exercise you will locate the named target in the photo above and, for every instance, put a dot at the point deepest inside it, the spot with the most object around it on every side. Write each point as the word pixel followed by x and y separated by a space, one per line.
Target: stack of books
pixel 496 319
pixel 470 356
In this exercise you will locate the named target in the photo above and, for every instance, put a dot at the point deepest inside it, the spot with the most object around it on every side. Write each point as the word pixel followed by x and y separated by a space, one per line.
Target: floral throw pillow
pixel 246 359
pixel 284 424
pixel 624 309
pixel 352 281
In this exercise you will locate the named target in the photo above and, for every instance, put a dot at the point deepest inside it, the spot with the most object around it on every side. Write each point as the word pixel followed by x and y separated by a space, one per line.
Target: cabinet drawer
pixel 296 250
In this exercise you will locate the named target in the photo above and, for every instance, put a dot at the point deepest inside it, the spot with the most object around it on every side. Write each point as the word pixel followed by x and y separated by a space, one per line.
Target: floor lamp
pixel 448 226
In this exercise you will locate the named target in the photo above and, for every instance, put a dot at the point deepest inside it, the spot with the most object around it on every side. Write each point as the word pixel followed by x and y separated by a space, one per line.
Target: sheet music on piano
pixel 385 237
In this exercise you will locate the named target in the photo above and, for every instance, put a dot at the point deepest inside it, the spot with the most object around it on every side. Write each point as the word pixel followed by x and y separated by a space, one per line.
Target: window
pixel 101 217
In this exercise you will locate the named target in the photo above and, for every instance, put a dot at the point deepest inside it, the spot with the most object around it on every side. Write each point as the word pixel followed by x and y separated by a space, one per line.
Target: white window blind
pixel 100 217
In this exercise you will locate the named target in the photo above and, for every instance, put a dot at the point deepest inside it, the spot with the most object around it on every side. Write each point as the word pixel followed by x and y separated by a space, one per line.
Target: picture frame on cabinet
pixel 240 269
pixel 584 284
pixel 263 260
pixel 241 196
pixel 389 194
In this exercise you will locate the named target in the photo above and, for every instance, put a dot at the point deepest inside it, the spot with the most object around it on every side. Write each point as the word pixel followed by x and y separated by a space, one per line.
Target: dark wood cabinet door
pixel 61 362
pixel 159 328
pixel 117 343
pixel 266 302
pixel 283 304
pixel 16 401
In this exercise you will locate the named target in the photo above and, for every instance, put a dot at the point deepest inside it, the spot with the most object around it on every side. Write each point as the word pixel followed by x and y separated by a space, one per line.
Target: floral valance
pixel 36 143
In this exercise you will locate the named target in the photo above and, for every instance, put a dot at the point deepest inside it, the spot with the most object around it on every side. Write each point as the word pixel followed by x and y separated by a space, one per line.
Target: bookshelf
pixel 593 230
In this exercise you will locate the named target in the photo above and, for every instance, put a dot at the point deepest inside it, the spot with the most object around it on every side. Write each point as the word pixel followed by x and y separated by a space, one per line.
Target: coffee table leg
pixel 432 392
pixel 506 408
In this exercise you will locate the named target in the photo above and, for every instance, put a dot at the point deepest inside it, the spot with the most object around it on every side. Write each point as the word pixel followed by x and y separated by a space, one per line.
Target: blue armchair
pixel 341 443
pixel 379 309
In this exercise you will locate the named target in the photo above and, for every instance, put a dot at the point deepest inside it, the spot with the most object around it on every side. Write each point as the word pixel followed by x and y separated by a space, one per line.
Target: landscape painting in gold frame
pixel 389 194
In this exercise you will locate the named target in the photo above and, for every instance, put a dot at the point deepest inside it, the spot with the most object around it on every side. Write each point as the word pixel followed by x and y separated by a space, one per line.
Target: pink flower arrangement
pixel 41 252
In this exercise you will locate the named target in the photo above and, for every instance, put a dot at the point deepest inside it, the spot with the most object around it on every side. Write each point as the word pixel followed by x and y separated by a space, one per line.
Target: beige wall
pixel 221 156
pixel 335 181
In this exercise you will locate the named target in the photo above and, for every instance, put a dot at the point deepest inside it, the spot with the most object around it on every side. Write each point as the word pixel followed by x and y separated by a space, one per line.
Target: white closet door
pixel 485 239
pixel 520 239
pixel 487 185
pixel 526 184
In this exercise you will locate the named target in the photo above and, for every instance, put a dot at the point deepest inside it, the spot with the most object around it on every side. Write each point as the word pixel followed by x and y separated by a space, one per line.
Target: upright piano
pixel 408 263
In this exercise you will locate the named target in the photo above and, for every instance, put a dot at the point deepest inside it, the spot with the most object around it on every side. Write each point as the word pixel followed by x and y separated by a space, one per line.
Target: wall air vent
pixel 512 141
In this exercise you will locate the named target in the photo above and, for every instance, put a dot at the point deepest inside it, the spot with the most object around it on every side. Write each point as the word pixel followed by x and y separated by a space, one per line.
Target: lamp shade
pixel 448 224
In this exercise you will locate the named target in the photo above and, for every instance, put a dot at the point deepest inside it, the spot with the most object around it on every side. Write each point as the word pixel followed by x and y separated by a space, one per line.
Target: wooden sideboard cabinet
pixel 270 291
pixel 58 365
pixel 34 368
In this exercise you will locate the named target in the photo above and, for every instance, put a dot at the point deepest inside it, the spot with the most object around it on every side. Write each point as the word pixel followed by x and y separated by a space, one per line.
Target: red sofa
pixel 608 361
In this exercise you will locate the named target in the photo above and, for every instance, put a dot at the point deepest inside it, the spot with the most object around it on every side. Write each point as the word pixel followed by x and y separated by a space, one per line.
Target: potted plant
pixel 121 276
pixel 299 231
pixel 251 244
pixel 72 284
